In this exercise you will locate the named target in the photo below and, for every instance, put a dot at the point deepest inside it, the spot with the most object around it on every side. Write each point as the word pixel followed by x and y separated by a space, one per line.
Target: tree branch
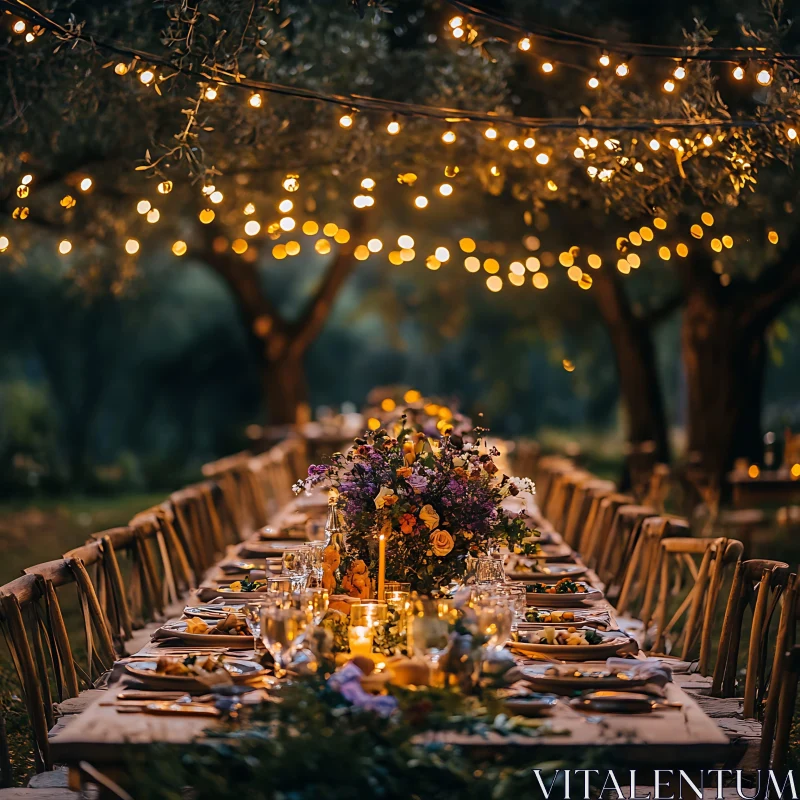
pixel 319 305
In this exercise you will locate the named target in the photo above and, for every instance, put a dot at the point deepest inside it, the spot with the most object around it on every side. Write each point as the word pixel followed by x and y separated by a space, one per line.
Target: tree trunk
pixel 635 358
pixel 286 390
pixel 725 362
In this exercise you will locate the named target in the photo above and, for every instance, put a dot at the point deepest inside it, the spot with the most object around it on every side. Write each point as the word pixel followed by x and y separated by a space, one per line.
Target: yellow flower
pixel 408 450
pixel 236 586
pixel 380 499
pixel 441 542
pixel 429 516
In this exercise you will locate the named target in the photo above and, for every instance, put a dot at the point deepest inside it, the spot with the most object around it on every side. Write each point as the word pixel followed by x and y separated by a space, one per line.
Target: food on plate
pixel 191 665
pixel 567 636
pixel 564 586
pixel 535 615
pixel 229 626
pixel 246 585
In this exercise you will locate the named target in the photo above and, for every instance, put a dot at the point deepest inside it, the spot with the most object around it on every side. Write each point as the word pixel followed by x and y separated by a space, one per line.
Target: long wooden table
pixel 680 738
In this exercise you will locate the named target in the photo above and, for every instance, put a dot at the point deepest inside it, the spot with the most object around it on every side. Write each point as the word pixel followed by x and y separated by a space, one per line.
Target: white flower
pixel 380 499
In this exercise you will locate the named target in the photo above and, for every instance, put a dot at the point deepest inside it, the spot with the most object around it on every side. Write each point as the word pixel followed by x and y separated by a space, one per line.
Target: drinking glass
pixel 252 616
pixel 490 570
pixel 314 602
pixel 517 601
pixel 368 612
pixel 296 566
pixel 282 631
pixel 314 558
pixel 494 617
pixel 428 631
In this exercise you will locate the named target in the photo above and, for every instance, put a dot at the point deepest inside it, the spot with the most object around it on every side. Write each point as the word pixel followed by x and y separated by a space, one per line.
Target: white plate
pixel 538 678
pixel 611 645
pixel 254 549
pixel 221 640
pixel 240 670
pixel 548 571
pixel 565 600
pixel 214 610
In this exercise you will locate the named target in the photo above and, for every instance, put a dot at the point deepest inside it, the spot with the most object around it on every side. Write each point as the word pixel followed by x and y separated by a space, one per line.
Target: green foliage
pixel 311 744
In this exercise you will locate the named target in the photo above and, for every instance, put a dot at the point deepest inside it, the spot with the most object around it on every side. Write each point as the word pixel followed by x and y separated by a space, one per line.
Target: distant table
pixel 769 488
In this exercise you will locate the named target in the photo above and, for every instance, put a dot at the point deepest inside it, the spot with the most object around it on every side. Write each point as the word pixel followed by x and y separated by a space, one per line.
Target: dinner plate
pixel 557 552
pixel 241 671
pixel 547 571
pixel 588 680
pixel 178 629
pixel 257 549
pixel 582 617
pixel 214 610
pixel 533 705
pixel 565 600
pixel 611 702
pixel 610 646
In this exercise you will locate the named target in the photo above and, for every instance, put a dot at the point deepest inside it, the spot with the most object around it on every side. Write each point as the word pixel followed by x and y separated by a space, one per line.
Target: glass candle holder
pixel 360 638
pixel 397 586
pixel 369 612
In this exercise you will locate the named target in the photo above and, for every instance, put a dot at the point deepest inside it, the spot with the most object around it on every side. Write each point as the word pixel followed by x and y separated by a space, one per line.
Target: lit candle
pixel 381 566
pixel 360 638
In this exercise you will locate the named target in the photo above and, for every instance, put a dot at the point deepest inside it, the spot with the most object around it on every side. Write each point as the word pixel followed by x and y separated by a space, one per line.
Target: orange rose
pixel 331 557
pixel 441 542
pixel 404 472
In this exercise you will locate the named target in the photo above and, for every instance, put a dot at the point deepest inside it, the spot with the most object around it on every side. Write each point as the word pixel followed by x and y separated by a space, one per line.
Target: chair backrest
pixel 598 525
pixel 560 497
pixel 546 470
pixel 162 518
pixel 645 562
pixel 525 457
pixel 786 689
pixel 235 480
pixel 100 560
pixel 618 546
pixel 580 506
pixel 703 562
pixel 757 583
pixel 198 525
pixel 779 708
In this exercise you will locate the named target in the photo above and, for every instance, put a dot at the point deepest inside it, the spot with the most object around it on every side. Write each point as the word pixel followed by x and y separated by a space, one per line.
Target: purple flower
pixel 418 483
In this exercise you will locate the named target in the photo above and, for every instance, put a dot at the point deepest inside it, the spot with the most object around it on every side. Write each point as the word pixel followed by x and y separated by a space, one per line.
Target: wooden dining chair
pixel 598 525
pixel 547 469
pixel 162 519
pixel 580 506
pixel 41 649
pixel 561 494
pixel 617 548
pixel 757 584
pixel 699 564
pixel 776 741
pixel 637 586
pixel 198 525
pixel 236 482
pixel 780 700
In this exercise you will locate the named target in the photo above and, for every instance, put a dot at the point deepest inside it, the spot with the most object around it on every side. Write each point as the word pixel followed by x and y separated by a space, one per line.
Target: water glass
pixel 490 570
pixel 428 631
pixel 283 630
pixel 314 558
pixel 494 618
pixel 517 601
pixel 314 602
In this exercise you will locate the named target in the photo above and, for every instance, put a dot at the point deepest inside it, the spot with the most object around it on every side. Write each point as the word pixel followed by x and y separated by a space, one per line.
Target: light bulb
pixel 146 76
pixel 121 69
pixel 513 144
pixel 490 133
pixel 19 26
pixel 654 145
pixel 791 133
pixel 669 86
pixel 622 70
pixel 708 140
pixel 421 201
pixel 593 83
pixel 143 206
pixel 393 128
pixel 255 100
pixel 764 77
pixel 738 73
pixel 456 22
pixel 529 142
pixel 86 184
pixel 604 60
pixel 547 67
pixel 445 190
pixel 64 246
pixel 346 121
pixel 448 137
pixel 542 158
pixel 252 227
pixel 210 93
pixel 679 73
pixel 524 44
pixel 131 246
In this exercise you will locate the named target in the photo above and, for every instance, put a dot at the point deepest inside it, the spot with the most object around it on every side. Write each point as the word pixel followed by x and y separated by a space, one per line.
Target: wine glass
pixel 494 617
pixel 282 631
pixel 295 565
pixel 314 602
pixel 517 601
pixel 428 632
pixel 314 552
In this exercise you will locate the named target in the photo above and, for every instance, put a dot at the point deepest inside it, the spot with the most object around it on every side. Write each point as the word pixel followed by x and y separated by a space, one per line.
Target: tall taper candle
pixel 381 567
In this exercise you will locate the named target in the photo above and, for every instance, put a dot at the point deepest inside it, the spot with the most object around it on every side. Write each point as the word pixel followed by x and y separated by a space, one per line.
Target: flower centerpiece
pixel 435 501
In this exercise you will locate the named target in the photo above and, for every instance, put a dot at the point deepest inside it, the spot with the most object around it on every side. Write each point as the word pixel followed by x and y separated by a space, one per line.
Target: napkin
pixel 653 670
